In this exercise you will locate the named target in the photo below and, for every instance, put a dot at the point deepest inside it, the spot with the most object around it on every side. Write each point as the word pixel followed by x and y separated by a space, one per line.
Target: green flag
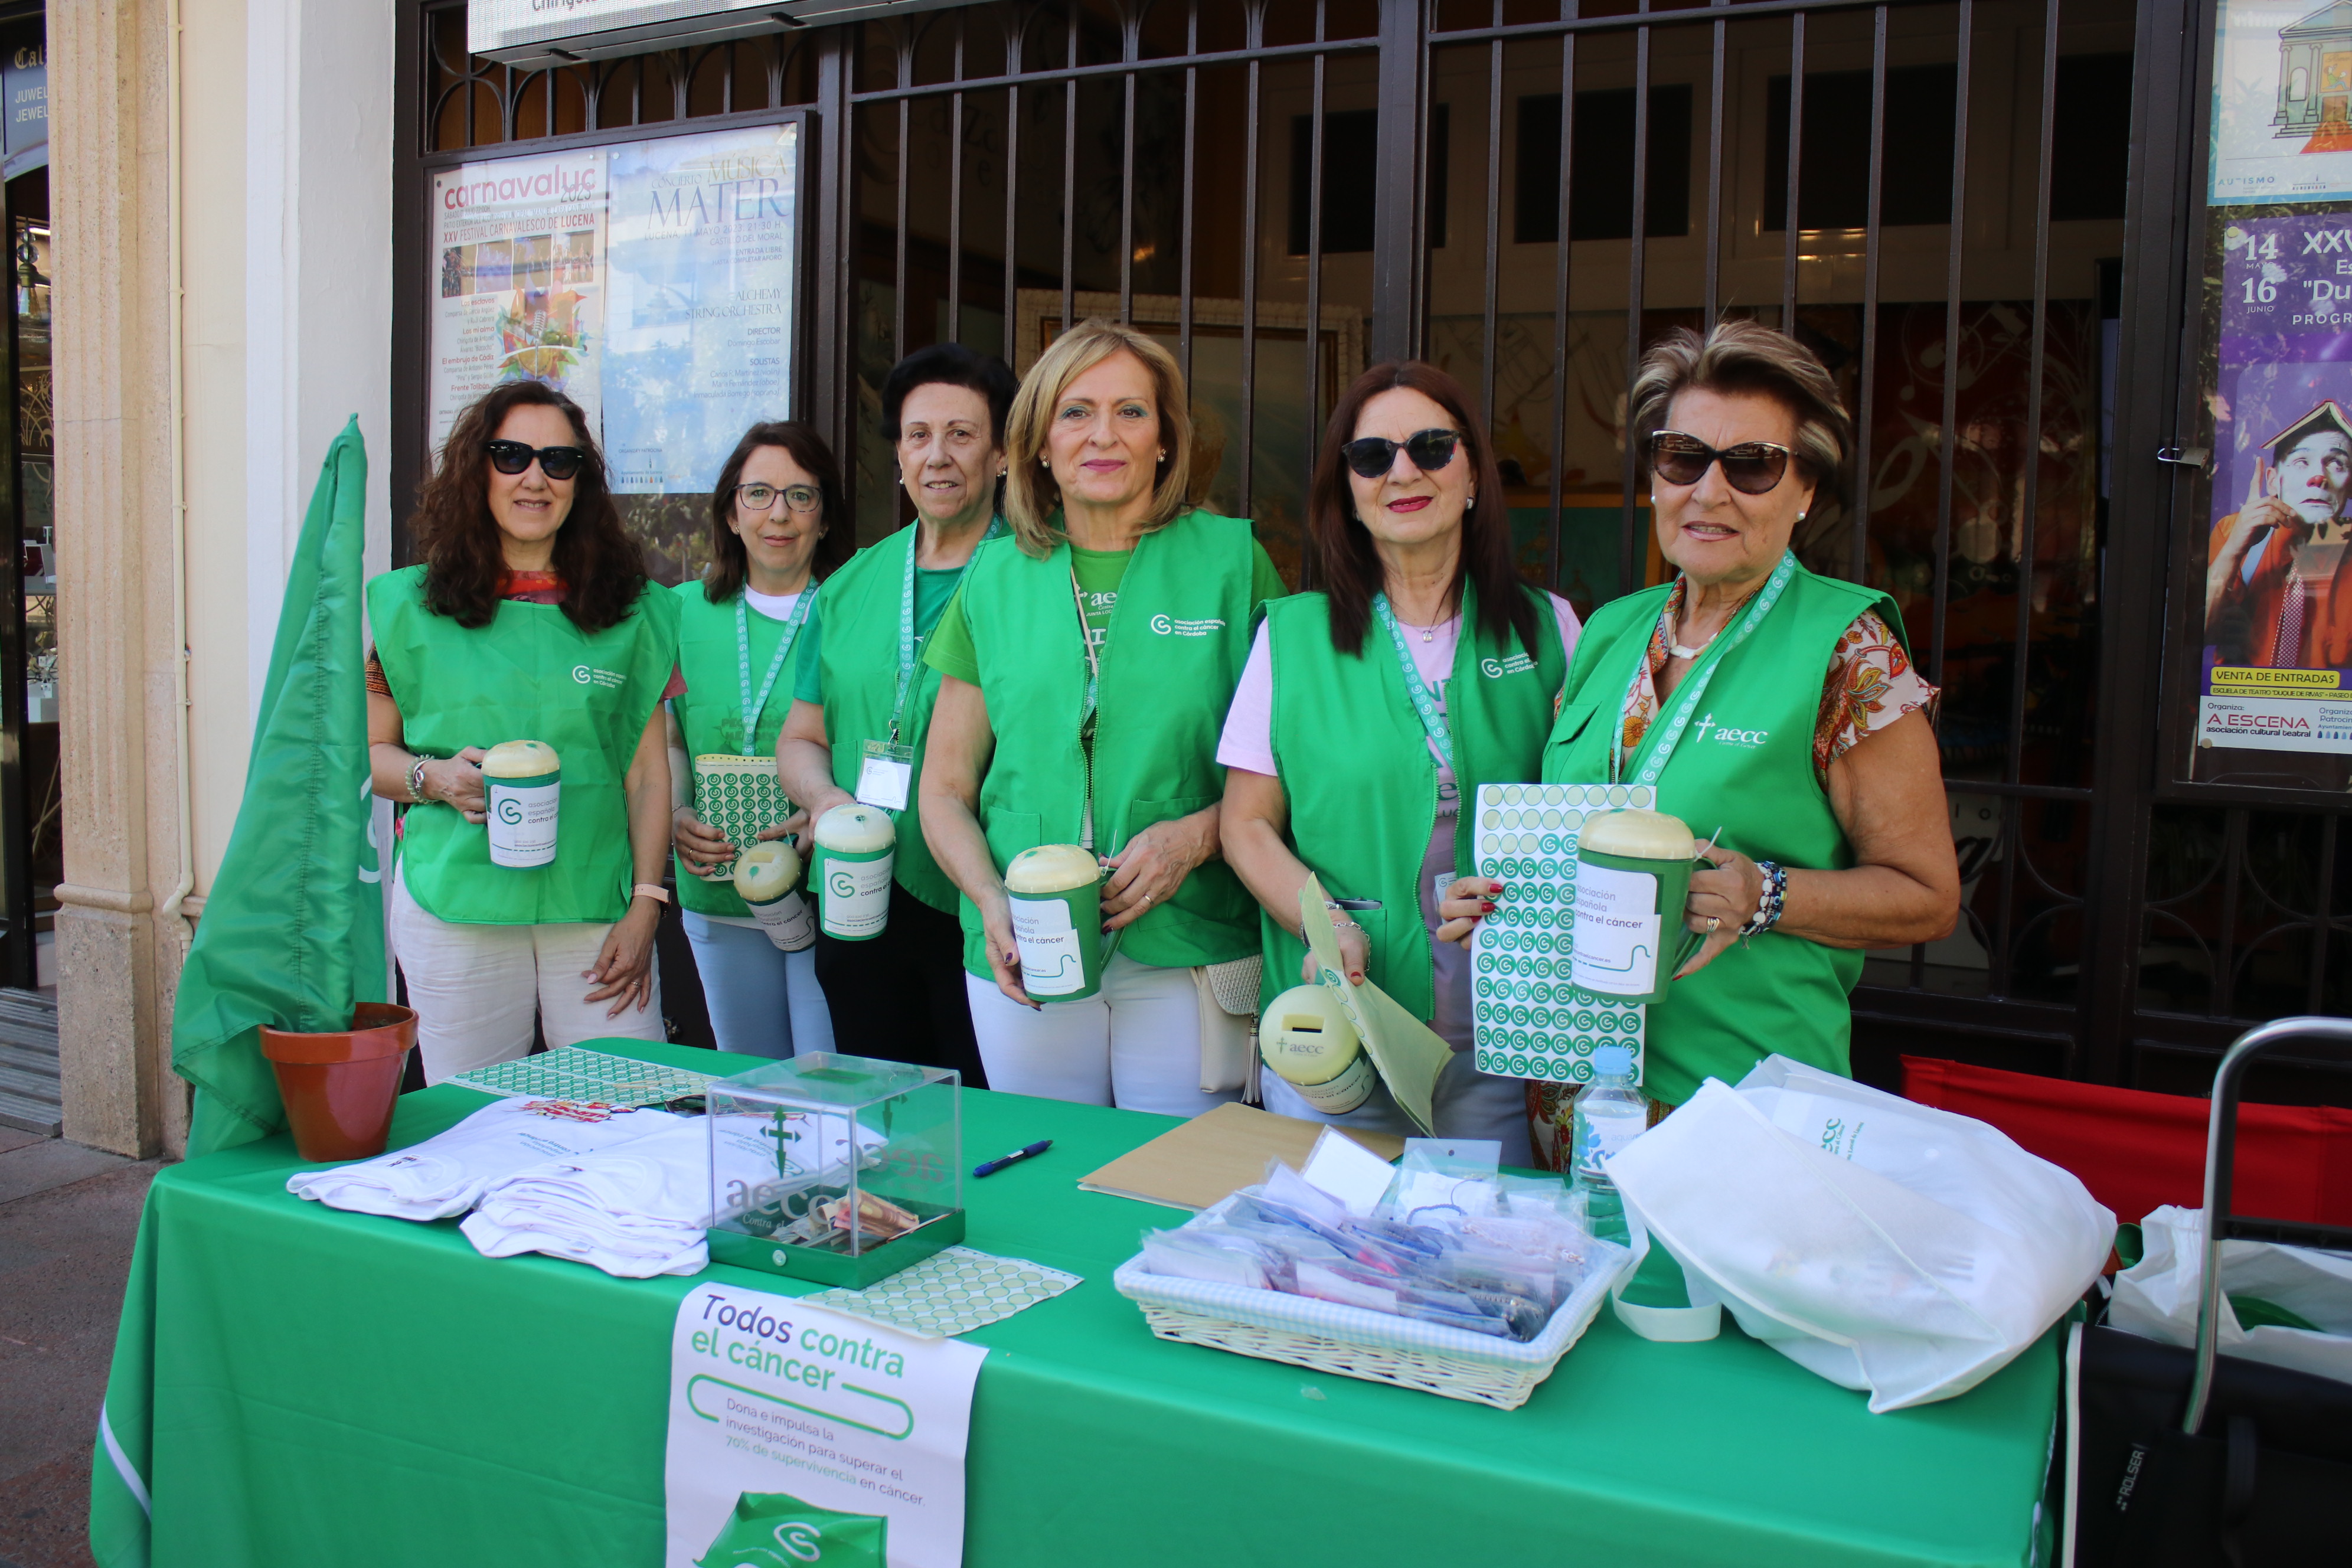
pixel 292 934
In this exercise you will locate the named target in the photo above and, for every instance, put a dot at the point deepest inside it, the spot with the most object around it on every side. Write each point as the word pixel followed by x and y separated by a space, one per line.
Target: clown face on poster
pixel 2278 575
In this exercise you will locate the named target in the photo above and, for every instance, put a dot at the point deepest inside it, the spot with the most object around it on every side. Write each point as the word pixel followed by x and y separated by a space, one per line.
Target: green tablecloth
pixel 336 1388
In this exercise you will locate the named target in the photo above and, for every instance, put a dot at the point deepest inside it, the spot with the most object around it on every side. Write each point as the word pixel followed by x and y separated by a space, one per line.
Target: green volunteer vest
pixel 1744 765
pixel 1179 636
pixel 710 710
pixel 858 656
pixel 531 674
pixel 1355 762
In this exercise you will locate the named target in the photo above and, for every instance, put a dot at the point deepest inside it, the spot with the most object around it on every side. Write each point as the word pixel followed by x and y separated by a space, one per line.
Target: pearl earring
pixel 1800 517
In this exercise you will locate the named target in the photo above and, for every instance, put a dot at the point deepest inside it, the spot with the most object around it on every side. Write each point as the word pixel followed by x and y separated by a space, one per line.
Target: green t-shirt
pixel 933 590
pixel 1100 573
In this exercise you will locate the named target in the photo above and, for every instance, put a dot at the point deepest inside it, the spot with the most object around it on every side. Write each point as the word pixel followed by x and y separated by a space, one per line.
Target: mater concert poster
pixel 2278 575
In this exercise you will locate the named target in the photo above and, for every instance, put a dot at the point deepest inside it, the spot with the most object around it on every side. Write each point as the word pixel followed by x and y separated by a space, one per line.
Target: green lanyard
pixel 1424 701
pixel 906 616
pixel 754 707
pixel 1087 715
pixel 1694 686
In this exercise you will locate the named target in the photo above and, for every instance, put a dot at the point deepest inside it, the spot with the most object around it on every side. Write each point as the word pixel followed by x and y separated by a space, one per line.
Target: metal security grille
pixel 1977 212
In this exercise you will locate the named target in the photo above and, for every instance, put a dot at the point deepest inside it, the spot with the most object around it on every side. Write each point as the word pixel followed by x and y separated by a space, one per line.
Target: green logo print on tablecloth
pixel 1528 1021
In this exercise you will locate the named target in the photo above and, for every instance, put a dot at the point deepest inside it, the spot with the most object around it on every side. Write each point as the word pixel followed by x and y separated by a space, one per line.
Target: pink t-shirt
pixel 1248 739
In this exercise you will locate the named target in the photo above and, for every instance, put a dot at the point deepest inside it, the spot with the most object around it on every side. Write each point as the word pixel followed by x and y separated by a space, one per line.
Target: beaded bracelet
pixel 1768 902
pixel 417 781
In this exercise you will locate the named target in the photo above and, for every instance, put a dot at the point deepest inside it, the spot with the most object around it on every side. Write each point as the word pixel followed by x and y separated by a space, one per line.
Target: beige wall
pixel 220 727
pixel 266 201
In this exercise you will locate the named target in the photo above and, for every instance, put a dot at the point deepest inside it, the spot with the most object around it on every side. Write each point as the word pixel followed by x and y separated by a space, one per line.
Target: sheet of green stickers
pixel 1529 1021
pixel 589 1076
pixel 952 1291
pixel 742 798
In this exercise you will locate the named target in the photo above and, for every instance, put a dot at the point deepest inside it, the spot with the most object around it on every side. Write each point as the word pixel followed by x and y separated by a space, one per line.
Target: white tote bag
pixel 1886 1246
pixel 2157 1296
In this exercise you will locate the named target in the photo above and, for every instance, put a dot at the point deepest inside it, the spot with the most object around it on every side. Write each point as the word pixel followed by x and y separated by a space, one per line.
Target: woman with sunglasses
pixel 528 618
pixel 1086 666
pixel 773 530
pixel 1369 710
pixel 1775 712
pixel 864 691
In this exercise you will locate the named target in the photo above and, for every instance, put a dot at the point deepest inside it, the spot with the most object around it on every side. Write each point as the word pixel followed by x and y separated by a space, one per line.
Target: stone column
pixel 109 189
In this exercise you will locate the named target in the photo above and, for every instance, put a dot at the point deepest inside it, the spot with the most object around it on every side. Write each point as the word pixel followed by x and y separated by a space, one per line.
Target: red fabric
pixel 2137 1151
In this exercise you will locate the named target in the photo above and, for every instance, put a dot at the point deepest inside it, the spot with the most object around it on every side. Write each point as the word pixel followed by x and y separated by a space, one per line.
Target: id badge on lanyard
pixel 885 770
pixel 885 777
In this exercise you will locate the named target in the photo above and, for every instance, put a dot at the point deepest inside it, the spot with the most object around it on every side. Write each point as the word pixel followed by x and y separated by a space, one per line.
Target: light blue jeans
pixel 763 1002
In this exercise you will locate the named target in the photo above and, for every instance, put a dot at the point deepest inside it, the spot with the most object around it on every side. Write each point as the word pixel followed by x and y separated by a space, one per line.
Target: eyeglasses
pixel 760 497
pixel 1373 455
pixel 515 456
pixel 1752 467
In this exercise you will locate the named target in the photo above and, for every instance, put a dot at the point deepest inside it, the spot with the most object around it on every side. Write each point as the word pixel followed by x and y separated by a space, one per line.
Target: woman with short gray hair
pixel 1775 710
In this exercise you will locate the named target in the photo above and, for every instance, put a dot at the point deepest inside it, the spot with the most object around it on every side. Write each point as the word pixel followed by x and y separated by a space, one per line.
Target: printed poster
pixel 702 244
pixel 2277 577
pixel 770 1395
pixel 517 248
pixel 2282 103
pixel 651 282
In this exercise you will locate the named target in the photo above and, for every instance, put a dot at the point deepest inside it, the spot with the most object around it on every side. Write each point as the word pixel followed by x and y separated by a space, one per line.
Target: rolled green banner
pixel 1632 879
pixel 1305 1037
pixel 526 800
pixel 1055 890
pixel 767 878
pixel 855 846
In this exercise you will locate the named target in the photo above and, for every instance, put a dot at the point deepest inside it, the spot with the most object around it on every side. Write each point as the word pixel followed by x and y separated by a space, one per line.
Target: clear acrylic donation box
pixel 839 1169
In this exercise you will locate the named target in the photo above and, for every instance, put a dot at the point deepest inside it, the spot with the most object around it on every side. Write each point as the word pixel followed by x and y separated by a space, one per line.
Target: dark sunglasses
pixel 555 462
pixel 1372 456
pixel 1752 467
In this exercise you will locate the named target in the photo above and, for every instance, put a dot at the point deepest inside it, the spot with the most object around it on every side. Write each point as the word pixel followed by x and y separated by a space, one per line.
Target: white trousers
pixel 476 988
pixel 1135 1044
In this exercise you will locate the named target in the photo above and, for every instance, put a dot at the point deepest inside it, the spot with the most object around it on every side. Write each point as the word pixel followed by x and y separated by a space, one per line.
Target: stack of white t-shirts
pixel 642 1209
pixel 448 1173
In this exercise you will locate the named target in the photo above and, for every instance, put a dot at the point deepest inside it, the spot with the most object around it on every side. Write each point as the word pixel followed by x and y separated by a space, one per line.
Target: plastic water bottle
pixel 1610 1113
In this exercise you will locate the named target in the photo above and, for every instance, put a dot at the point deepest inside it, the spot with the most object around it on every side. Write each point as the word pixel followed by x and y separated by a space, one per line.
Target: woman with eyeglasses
pixel 1086 667
pixel 1774 711
pixel 530 618
pixel 1369 710
pixel 865 692
pixel 776 522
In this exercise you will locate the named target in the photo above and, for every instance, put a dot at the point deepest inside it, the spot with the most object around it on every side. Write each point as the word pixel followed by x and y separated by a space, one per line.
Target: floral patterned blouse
pixel 1871 683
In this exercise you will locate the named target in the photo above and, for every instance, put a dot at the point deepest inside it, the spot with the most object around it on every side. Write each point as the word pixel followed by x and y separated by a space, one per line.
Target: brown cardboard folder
pixel 1217 1152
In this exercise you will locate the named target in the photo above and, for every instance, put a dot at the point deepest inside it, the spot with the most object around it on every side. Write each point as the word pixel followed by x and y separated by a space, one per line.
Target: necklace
pixel 1675 649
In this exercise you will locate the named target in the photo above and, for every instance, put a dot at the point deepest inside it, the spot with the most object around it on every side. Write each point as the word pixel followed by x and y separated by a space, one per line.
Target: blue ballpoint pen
pixel 989 1167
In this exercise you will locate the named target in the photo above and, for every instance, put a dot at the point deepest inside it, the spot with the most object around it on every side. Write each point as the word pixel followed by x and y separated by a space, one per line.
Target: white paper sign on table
pixel 771 1395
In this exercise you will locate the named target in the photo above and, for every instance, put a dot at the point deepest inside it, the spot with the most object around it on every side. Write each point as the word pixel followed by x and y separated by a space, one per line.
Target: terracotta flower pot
pixel 338 1087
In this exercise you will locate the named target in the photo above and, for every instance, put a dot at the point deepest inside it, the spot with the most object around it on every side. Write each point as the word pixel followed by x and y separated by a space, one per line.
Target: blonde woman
pixel 1086 668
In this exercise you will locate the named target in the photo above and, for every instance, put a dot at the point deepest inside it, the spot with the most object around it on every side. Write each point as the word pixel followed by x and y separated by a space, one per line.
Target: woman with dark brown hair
pixel 1369 709
pixel 777 523
pixel 528 619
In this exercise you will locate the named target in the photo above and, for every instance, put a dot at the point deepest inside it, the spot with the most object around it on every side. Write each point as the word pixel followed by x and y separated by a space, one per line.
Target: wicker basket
pixel 1353 1342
